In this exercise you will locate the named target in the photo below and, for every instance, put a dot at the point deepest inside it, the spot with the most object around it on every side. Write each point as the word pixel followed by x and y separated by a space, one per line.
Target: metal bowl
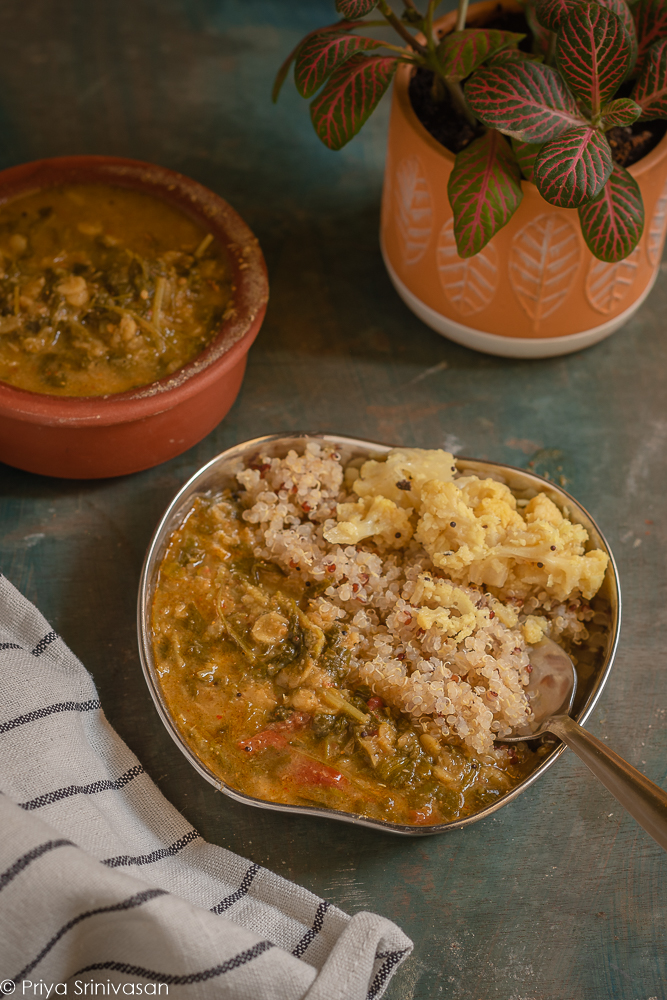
pixel 219 473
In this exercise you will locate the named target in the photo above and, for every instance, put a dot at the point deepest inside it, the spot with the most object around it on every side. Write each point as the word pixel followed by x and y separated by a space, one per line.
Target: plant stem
pixel 428 53
pixel 551 53
pixel 462 15
pixel 428 25
pixel 454 89
pixel 401 29
pixel 459 101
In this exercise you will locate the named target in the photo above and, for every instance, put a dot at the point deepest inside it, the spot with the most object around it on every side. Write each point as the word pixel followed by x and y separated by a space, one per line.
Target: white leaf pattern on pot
pixel 544 257
pixel 414 209
pixel 608 284
pixel 656 231
pixel 469 283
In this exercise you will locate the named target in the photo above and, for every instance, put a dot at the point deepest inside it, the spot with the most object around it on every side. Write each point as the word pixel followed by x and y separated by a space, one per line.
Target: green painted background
pixel 561 897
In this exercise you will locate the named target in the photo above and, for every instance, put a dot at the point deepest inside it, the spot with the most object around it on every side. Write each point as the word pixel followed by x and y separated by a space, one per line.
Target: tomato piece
pixel 422 817
pixel 261 741
pixel 297 720
pixel 375 703
pixel 312 772
pixel 273 736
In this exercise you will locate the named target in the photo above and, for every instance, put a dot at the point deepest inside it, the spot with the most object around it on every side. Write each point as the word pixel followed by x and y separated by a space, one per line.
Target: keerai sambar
pixel 103 289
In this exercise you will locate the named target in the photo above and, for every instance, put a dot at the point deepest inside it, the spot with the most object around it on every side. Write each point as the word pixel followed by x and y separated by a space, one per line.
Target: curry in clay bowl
pixel 129 298
pixel 338 628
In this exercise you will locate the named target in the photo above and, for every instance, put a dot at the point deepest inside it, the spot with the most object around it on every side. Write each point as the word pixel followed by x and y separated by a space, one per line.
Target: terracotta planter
pixel 535 290
pixel 95 437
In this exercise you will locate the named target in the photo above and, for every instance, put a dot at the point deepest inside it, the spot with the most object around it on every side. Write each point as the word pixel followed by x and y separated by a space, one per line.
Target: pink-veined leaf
pixel 461 52
pixel 506 56
pixel 650 91
pixel 530 103
pixel 320 54
pixel 593 54
pixel 613 222
pixel 650 18
pixel 351 94
pixel 570 169
pixel 281 75
pixel 552 14
pixel 484 191
pixel 355 8
pixel 622 11
pixel 623 111
pixel 526 153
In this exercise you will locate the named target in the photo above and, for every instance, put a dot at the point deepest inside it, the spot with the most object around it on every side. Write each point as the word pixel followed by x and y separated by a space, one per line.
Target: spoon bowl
pixel 551 692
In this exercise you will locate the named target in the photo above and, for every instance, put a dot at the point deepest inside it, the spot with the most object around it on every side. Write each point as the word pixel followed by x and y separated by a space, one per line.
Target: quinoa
pixel 452 654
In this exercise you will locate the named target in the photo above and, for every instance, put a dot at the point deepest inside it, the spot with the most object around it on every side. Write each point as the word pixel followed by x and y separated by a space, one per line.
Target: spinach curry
pixel 103 289
pixel 268 701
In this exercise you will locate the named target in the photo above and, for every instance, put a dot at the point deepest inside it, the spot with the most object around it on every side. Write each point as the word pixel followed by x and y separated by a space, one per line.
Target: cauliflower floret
pixel 401 476
pixel 441 597
pixel 472 529
pixel 534 628
pixel 371 516
pixel 541 508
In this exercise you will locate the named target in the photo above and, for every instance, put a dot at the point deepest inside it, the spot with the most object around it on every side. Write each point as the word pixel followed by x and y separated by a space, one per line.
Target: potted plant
pixel 522 164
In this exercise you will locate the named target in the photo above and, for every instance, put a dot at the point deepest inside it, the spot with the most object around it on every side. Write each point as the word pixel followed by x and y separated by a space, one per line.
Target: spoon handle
pixel 645 801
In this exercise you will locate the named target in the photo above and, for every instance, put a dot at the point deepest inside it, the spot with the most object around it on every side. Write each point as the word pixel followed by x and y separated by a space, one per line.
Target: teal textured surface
pixel 561 896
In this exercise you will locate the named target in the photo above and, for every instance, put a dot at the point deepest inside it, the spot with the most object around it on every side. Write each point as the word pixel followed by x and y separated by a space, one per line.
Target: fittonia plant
pixel 555 104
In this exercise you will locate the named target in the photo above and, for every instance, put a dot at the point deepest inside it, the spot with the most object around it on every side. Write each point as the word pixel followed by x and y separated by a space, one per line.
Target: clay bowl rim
pixel 477 11
pixel 217 470
pixel 236 334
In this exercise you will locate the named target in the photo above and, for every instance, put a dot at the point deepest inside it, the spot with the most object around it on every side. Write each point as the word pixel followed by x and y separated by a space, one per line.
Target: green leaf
pixel 506 56
pixel 553 14
pixel 281 75
pixel 650 91
pixel 550 13
pixel 593 54
pixel 651 23
pixel 351 94
pixel 526 154
pixel 484 191
pixel 620 112
pixel 613 222
pixel 530 103
pixel 355 8
pixel 321 53
pixel 461 52
pixel 571 169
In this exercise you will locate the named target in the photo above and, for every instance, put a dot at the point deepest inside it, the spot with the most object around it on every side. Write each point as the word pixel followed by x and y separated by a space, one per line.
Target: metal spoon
pixel 551 692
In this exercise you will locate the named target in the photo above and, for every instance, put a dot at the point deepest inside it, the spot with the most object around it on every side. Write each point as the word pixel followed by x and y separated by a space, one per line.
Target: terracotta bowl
pixel 99 436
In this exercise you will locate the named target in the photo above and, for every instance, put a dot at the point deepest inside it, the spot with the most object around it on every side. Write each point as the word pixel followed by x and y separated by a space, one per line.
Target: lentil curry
pixel 103 289
pixel 306 671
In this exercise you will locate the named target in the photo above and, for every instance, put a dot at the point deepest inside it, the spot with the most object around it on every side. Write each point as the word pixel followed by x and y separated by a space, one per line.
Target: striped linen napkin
pixel 106 890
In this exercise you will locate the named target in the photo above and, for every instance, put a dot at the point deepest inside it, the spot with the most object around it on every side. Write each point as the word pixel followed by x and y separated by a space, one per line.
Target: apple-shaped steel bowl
pixel 218 474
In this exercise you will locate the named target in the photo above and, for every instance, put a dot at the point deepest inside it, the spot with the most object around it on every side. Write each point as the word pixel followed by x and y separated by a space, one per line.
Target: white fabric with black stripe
pixel 102 879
